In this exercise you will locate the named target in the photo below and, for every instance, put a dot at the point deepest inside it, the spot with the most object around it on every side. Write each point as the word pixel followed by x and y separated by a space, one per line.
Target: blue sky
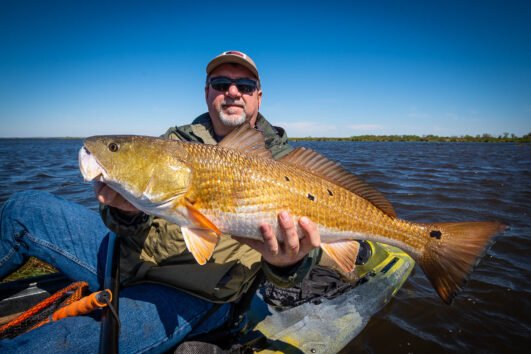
pixel 328 68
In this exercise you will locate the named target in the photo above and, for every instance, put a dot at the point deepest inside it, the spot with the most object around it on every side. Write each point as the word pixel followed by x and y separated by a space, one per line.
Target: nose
pixel 233 91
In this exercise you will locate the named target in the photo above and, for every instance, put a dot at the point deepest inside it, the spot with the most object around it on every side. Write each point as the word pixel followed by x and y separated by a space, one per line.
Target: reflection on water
pixel 426 182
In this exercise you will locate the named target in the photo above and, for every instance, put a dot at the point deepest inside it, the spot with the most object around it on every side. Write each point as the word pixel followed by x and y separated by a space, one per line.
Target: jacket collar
pixel 272 135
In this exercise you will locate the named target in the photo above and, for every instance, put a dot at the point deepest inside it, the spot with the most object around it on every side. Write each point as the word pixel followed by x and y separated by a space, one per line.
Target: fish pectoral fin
pixel 344 253
pixel 202 236
pixel 200 243
pixel 199 220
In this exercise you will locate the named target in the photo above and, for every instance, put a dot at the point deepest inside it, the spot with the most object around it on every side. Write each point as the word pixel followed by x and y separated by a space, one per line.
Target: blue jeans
pixel 72 238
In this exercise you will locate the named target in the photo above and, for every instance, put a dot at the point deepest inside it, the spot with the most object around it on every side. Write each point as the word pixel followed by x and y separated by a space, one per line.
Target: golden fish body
pixel 239 191
pixel 236 186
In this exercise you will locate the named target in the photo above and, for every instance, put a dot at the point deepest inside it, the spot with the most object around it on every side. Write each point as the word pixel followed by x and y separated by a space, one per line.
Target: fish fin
pixel 344 253
pixel 246 139
pixel 452 251
pixel 199 220
pixel 319 165
pixel 202 237
pixel 200 243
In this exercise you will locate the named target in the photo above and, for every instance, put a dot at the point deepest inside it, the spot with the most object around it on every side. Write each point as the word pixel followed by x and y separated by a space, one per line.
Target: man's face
pixel 231 108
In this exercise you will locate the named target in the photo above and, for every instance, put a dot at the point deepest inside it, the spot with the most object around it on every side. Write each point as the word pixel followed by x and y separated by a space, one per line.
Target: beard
pixel 232 120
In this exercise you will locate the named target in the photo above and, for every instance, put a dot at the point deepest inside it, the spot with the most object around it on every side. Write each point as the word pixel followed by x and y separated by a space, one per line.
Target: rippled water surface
pixel 426 182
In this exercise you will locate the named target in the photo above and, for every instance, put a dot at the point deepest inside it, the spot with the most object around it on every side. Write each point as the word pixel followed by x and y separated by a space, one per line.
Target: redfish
pixel 235 186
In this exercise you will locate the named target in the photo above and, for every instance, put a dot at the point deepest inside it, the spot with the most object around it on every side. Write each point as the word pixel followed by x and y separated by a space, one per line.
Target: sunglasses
pixel 222 83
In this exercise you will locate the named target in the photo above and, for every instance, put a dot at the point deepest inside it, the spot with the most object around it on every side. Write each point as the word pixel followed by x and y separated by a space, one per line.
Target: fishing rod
pixel 110 321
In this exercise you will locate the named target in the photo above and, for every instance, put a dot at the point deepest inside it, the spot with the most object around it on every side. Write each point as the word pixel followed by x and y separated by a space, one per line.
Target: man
pixel 166 295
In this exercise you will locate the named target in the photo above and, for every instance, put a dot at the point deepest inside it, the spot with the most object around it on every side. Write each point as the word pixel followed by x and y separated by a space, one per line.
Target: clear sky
pixel 328 68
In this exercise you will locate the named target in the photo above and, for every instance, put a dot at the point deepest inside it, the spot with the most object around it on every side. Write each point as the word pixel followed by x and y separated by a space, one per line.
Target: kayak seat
pixel 364 253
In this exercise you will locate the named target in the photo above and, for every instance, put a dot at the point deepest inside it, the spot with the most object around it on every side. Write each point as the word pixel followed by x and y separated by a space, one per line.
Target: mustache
pixel 233 103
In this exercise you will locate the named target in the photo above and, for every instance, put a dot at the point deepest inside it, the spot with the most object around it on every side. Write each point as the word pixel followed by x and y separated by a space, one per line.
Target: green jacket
pixel 153 249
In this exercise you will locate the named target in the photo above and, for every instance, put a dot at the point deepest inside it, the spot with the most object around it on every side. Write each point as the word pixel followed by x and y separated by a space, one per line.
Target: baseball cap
pixel 234 57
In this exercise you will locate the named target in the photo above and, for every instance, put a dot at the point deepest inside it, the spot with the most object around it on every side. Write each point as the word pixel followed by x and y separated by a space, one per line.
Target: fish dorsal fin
pixel 246 139
pixel 319 165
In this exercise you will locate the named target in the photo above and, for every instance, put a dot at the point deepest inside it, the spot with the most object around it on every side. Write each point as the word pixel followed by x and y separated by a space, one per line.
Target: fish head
pixel 148 172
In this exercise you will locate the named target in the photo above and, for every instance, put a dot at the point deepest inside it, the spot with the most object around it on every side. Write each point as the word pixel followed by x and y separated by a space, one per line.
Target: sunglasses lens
pixel 223 84
pixel 243 88
pixel 220 83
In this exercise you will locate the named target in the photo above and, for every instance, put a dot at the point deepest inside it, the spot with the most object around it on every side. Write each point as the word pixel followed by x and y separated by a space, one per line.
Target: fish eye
pixel 113 147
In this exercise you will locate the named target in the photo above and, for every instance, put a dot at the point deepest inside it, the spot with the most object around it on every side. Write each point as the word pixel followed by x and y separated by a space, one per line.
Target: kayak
pixel 19 295
pixel 321 325
pixel 328 325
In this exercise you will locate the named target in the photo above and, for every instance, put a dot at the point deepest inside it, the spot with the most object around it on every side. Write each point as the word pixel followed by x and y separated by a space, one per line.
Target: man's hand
pixel 292 250
pixel 109 196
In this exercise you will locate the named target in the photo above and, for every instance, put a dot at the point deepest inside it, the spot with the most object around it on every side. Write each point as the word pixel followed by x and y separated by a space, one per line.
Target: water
pixel 425 182
pixel 430 182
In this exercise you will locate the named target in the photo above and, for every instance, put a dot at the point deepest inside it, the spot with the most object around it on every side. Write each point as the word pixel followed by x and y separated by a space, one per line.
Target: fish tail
pixel 453 250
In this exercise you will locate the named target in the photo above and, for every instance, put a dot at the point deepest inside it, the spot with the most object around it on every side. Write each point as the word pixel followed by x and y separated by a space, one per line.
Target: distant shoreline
pixel 484 138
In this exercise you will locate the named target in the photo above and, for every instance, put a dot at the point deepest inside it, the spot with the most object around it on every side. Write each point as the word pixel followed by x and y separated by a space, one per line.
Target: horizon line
pixel 482 135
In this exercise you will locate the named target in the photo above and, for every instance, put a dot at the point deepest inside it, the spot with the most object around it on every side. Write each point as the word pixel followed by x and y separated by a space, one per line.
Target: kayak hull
pixel 327 327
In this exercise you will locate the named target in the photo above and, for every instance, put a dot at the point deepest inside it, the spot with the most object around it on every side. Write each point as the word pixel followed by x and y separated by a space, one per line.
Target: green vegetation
pixel 484 138
pixel 32 268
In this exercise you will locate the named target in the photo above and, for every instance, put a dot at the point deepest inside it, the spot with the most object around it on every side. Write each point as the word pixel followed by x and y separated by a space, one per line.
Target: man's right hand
pixel 107 195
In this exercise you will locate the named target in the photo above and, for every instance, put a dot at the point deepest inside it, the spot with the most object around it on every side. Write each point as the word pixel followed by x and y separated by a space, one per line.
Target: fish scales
pixel 246 188
pixel 236 186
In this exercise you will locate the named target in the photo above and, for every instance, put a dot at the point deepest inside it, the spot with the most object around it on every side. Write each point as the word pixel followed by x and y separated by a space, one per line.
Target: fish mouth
pixel 89 166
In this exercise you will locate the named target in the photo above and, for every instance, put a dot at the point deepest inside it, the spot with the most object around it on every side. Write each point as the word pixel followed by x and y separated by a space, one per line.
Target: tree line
pixel 483 138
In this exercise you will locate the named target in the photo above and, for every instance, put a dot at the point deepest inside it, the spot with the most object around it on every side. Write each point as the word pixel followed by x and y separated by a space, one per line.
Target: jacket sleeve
pixel 123 223
pixel 287 277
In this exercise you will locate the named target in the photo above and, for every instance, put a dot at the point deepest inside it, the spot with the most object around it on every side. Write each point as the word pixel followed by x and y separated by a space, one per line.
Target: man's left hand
pixel 292 249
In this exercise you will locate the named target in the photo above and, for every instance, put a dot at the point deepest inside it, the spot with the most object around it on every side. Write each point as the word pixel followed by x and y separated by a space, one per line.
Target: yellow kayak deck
pixel 327 327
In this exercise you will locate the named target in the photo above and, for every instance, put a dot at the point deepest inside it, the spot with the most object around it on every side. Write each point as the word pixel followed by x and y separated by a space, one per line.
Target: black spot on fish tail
pixel 436 233
pixel 448 264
